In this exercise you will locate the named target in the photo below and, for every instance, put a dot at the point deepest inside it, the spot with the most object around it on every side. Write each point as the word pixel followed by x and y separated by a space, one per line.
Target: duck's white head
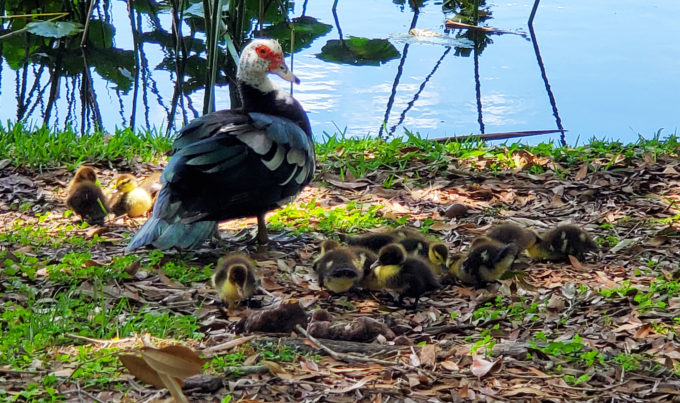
pixel 260 57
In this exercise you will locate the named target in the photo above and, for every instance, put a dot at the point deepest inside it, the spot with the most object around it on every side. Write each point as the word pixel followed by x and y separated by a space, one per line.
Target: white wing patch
pixel 257 141
pixel 297 157
pixel 276 161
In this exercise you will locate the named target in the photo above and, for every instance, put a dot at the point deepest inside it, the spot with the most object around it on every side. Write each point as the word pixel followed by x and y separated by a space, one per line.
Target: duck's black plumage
pixel 230 164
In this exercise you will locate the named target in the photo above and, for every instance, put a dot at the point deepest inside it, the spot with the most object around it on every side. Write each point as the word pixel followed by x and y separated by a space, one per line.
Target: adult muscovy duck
pixel 234 163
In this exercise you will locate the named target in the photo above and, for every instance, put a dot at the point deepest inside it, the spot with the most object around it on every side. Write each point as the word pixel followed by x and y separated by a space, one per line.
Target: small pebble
pixel 456 210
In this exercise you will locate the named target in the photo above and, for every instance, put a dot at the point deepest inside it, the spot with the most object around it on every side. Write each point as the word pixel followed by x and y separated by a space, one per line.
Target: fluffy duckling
pixel 435 252
pixel 234 279
pixel 410 276
pixel 414 243
pixel 562 241
pixel 86 198
pixel 508 232
pixel 129 198
pixel 341 267
pixel 486 261
pixel 152 183
pixel 373 240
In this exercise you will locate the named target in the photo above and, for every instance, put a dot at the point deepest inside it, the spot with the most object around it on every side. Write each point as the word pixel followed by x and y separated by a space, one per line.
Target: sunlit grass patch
pixel 359 156
pixel 311 216
pixel 42 148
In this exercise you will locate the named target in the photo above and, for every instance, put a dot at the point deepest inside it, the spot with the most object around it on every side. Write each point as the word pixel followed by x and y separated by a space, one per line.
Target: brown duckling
pixel 129 198
pixel 372 240
pixel 486 261
pixel 341 267
pixel 410 276
pixel 508 232
pixel 562 241
pixel 86 198
pixel 234 279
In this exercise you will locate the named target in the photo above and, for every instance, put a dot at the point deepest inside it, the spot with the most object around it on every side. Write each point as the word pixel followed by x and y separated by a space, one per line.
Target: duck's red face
pixel 274 57
pixel 269 55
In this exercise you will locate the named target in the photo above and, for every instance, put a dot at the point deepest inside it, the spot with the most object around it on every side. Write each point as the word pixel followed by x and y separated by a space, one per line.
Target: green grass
pixel 42 148
pixel 360 156
pixel 310 216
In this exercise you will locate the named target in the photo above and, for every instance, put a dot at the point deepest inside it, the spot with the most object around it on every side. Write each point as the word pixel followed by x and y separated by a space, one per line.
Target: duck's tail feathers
pixel 164 235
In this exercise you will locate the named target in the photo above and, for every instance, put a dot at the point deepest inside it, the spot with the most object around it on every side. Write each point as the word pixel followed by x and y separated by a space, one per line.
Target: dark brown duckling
pixel 409 276
pixel 86 198
pixel 234 279
pixel 486 261
pixel 562 241
pixel 508 232
pixel 372 240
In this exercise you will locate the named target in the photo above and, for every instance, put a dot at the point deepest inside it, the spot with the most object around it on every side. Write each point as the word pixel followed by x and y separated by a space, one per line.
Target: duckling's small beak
pixel 375 264
pixel 282 71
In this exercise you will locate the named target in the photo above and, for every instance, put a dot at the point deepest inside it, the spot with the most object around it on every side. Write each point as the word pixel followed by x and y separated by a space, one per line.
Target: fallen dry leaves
pixel 432 353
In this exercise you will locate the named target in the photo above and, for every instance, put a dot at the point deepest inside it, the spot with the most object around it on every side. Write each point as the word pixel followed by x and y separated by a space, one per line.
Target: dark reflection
pixel 410 104
pixel 61 83
pixel 397 77
pixel 539 59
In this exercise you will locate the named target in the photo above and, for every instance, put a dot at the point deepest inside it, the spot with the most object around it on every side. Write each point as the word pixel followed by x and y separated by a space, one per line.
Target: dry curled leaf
pixel 481 367
pixel 176 361
pixel 141 370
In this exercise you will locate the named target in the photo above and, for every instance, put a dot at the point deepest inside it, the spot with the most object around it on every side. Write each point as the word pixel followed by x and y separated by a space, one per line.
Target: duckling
pixel 414 243
pixel 86 198
pixel 373 240
pixel 234 279
pixel 562 241
pixel 435 252
pixel 341 267
pixel 129 198
pixel 508 232
pixel 152 183
pixel 410 276
pixel 486 261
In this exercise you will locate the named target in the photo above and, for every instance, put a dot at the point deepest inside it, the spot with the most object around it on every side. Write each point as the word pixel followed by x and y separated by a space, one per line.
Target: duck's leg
pixel 262 235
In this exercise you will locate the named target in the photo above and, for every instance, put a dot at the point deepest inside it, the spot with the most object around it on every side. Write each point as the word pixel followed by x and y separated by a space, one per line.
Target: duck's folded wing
pixel 251 163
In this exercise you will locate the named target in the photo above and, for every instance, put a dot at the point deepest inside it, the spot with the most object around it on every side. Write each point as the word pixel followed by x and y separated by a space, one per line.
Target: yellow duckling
pixel 486 261
pixel 562 241
pixel 409 276
pixel 86 198
pixel 129 198
pixel 234 279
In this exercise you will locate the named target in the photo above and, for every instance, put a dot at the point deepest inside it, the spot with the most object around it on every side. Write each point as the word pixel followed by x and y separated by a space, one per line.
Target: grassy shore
pixel 71 300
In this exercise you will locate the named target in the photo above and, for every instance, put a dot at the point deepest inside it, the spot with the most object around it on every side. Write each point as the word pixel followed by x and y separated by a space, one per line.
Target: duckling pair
pixel 435 252
pixel 555 245
pixel 492 255
pixel 392 269
pixel 86 198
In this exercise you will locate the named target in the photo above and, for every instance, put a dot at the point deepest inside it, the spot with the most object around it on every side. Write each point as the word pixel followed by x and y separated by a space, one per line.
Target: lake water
pixel 612 69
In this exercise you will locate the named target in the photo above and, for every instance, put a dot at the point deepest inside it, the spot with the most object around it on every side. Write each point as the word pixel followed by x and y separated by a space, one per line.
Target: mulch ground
pixel 431 357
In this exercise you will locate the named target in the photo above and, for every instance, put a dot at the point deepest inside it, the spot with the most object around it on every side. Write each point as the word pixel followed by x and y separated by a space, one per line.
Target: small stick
pixel 342 356
pixel 87 24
